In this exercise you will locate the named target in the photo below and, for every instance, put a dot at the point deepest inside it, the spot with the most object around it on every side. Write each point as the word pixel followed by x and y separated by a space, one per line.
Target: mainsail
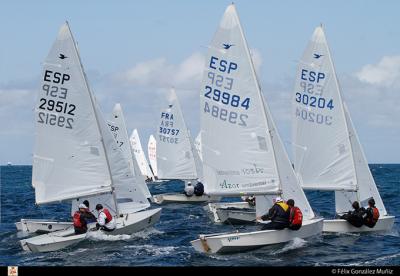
pixel 322 152
pixel 175 152
pixel 69 157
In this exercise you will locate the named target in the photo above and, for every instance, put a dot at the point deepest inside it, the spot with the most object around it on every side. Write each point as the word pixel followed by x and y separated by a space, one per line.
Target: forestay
pixel 139 154
pixel 323 157
pixel 136 188
pixel 175 158
pixel 69 159
pixel 152 152
pixel 237 151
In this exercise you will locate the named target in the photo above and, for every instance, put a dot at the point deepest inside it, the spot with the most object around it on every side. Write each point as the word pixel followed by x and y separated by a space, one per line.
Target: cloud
pixel 385 73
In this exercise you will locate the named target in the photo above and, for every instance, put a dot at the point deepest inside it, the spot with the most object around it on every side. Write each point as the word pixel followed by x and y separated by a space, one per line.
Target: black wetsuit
pixel 355 217
pixel 369 218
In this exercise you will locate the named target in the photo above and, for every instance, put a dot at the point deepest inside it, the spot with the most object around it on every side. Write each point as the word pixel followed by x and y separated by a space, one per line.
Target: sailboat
pixel 327 152
pixel 75 153
pixel 140 156
pixel 152 153
pixel 242 151
pixel 177 158
pixel 118 128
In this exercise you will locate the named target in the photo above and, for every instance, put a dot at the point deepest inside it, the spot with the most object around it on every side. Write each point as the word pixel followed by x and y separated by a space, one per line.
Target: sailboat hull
pixel 231 212
pixel 182 198
pixel 40 226
pixel 342 226
pixel 234 242
pixel 128 224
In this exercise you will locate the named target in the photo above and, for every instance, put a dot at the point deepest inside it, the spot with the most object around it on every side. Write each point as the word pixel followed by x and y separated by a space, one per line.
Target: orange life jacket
pixel 77 220
pixel 296 216
pixel 375 214
pixel 108 215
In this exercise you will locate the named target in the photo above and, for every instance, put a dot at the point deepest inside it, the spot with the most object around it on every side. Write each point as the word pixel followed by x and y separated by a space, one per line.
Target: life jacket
pixel 296 216
pixel 108 215
pixel 77 220
pixel 284 206
pixel 375 214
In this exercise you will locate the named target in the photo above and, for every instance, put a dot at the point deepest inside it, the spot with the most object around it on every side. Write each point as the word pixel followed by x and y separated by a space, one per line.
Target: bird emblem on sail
pixel 317 56
pixel 62 56
pixel 227 46
pixel 170 105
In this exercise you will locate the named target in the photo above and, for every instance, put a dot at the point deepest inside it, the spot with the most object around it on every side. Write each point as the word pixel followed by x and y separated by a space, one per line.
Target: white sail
pixel 175 158
pixel 69 158
pixel 139 154
pixel 197 144
pixel 366 184
pixel 237 151
pixel 152 153
pixel 322 152
pixel 121 142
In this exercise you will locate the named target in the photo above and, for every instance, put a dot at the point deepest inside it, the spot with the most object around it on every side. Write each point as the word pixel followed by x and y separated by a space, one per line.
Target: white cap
pixel 189 183
pixel 278 199
pixel 83 206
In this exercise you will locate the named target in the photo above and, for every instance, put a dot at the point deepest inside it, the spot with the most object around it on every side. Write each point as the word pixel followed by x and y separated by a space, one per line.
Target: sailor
pixel 88 215
pixel 189 189
pixel 79 221
pixel 295 216
pixel 355 217
pixel 278 214
pixel 371 214
pixel 199 189
pixel 251 200
pixel 105 220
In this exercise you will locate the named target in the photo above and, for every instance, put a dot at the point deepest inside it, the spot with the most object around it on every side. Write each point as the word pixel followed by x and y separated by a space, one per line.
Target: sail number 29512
pixel 53 107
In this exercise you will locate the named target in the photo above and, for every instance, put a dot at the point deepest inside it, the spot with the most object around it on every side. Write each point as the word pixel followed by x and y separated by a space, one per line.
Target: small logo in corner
pixel 62 56
pixel 13 271
pixel 317 56
pixel 227 46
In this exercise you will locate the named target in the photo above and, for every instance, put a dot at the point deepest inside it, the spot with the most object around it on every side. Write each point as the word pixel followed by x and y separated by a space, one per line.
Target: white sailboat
pixel 75 154
pixel 140 156
pixel 327 153
pixel 242 151
pixel 118 128
pixel 152 153
pixel 176 156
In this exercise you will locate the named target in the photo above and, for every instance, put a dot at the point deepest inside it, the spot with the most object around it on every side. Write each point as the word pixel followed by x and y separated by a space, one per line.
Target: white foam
pixel 146 233
pixel 151 249
pixel 100 236
pixel 292 245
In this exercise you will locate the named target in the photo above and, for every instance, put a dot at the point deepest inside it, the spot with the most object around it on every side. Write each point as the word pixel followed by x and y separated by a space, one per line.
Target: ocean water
pixel 168 242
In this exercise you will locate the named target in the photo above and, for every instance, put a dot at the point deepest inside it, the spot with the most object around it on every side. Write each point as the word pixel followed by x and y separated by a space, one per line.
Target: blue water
pixel 168 242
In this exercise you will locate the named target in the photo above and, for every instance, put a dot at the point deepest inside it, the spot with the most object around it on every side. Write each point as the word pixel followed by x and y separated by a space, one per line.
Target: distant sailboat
pixel 242 151
pixel 140 156
pixel 75 154
pixel 177 159
pixel 152 153
pixel 327 153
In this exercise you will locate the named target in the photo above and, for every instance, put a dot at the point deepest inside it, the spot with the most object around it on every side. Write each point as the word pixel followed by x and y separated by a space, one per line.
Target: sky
pixel 134 51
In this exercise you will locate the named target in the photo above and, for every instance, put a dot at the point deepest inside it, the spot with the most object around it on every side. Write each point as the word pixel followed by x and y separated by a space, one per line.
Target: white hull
pixel 233 242
pixel 127 224
pixel 41 226
pixel 342 226
pixel 182 198
pixel 230 212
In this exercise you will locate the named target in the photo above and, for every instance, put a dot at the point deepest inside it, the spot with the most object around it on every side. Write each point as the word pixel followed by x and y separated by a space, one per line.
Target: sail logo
pixel 226 185
pixel 317 56
pixel 62 56
pixel 255 170
pixel 227 46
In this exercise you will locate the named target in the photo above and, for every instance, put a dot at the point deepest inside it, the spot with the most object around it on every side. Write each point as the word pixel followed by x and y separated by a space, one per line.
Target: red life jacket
pixel 296 216
pixel 77 220
pixel 375 214
pixel 108 215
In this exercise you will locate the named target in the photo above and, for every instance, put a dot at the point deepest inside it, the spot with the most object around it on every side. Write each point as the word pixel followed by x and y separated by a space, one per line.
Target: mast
pixel 341 102
pixel 97 119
